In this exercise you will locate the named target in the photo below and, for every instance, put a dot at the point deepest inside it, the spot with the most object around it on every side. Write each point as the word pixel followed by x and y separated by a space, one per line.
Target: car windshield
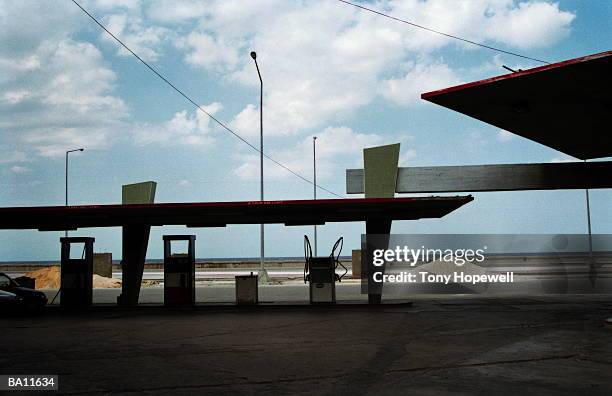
pixel 5 281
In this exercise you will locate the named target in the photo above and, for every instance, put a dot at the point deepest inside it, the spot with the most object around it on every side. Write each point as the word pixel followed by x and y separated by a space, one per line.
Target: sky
pixel 349 77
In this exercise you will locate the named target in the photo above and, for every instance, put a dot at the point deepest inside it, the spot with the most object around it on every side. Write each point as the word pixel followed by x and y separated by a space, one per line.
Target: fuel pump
pixel 76 273
pixel 320 273
pixel 179 271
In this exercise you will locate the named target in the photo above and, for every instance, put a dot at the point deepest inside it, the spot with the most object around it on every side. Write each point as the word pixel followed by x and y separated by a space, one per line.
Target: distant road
pixel 204 274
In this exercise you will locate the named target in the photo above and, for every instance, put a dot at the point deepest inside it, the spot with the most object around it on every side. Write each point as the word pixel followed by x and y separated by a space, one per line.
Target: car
pixel 31 300
pixel 10 303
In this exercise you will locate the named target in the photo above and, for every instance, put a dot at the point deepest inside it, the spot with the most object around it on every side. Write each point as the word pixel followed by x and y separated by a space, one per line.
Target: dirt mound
pixel 49 278
pixel 101 282
pixel 46 278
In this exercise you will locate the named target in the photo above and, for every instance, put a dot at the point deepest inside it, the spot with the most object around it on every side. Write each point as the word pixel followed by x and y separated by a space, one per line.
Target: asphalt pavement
pixel 447 346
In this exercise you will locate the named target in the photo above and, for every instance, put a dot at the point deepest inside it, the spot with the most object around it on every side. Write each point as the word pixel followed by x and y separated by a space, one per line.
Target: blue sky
pixel 349 77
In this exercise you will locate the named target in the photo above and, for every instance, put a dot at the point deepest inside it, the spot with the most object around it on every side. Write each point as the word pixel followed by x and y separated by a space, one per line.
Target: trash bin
pixel 246 289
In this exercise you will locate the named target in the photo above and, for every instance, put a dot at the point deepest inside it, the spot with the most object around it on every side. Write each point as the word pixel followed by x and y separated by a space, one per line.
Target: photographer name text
pixel 455 277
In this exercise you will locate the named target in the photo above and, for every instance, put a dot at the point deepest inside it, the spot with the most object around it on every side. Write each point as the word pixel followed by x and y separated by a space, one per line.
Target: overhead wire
pixel 441 33
pixel 197 106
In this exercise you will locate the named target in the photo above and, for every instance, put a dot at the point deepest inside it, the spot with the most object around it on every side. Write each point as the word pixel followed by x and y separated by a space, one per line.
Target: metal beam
pixel 507 177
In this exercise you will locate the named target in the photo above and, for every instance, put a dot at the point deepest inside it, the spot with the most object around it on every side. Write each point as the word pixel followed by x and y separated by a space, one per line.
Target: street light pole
pixel 263 274
pixel 314 171
pixel 68 152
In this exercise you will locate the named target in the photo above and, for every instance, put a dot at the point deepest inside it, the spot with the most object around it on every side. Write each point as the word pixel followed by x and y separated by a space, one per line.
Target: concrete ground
pixel 451 345
pixel 225 292
pixel 349 290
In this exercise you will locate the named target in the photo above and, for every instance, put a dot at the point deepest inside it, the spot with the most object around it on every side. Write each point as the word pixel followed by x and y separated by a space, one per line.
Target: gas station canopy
pixel 219 214
pixel 566 106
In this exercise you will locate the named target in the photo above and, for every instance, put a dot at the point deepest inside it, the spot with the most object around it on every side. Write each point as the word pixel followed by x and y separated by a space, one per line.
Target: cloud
pixel 475 141
pixel 504 136
pixel 518 24
pixel 191 129
pixel 209 51
pixel 106 5
pixel 14 97
pixel 531 24
pixel 10 156
pixel 66 103
pixel 19 169
pixel 25 24
pixel 145 41
pixel 406 157
pixel 419 78
pixel 321 61
pixel 337 148
pixel 557 160
pixel 176 11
